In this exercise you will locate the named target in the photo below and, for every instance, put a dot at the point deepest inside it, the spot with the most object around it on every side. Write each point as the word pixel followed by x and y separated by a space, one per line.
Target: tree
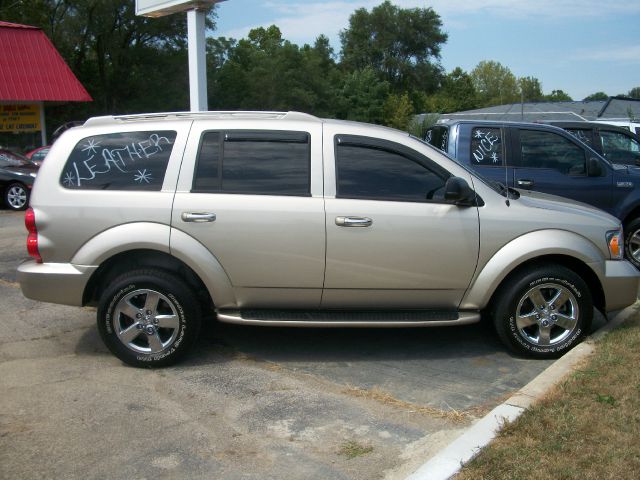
pixel 495 84
pixel 457 93
pixel 401 46
pixel 596 96
pixel 634 93
pixel 558 96
pixel 398 111
pixel 530 89
pixel 266 72
pixel 363 97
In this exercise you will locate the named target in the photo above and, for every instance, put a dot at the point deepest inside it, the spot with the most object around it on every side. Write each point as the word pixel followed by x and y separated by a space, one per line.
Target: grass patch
pixel 588 427
pixel 352 449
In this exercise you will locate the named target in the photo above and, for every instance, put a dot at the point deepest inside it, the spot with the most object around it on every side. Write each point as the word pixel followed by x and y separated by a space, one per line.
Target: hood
pixel 564 205
pixel 622 169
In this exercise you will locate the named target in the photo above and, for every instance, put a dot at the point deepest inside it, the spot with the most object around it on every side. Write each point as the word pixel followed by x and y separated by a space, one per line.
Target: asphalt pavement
pixel 250 402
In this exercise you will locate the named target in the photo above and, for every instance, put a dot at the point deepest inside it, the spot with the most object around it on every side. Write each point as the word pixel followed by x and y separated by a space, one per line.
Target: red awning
pixel 31 69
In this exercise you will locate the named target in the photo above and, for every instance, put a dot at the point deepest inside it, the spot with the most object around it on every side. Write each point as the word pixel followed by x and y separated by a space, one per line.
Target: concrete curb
pixel 450 460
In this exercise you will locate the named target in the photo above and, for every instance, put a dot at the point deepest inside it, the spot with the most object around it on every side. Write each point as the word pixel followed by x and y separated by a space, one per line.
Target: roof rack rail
pixel 213 115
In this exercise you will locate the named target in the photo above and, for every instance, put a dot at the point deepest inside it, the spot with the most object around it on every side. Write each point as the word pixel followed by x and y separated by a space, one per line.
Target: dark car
pixel 616 144
pixel 17 174
pixel 548 159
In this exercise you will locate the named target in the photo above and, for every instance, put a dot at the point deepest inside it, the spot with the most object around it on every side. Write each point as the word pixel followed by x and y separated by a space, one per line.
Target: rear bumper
pixel 620 284
pixel 54 282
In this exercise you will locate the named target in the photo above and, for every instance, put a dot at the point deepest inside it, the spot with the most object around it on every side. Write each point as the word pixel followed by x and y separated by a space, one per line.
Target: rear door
pixel 253 197
pixel 552 163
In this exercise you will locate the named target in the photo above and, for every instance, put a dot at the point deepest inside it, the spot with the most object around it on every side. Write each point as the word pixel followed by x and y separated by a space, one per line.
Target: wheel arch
pixel 129 260
pixel 545 246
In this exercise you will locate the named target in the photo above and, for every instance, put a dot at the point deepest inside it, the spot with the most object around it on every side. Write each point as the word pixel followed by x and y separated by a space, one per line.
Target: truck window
pixel 438 136
pixel 486 146
pixel 550 150
pixel 615 142
pixel 581 134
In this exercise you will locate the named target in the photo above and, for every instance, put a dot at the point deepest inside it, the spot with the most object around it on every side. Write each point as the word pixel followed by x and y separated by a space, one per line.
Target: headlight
pixel 615 244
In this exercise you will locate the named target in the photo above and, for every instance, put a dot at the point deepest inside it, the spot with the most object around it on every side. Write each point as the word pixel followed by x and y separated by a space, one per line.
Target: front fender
pixel 522 249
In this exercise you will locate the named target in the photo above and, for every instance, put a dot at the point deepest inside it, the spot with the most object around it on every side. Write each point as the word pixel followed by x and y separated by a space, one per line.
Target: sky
pixel 578 46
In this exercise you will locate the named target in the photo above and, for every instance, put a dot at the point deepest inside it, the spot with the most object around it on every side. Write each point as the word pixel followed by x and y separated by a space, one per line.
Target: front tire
pixel 16 196
pixel 632 242
pixel 148 318
pixel 542 312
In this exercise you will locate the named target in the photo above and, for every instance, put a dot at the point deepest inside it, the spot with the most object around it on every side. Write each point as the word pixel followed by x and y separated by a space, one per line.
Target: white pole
pixel 197 64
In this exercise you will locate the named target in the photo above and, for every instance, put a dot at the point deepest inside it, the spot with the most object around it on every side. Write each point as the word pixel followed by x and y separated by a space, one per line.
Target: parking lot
pixel 248 403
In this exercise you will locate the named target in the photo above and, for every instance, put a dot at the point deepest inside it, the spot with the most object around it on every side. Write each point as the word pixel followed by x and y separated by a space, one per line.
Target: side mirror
pixel 458 192
pixel 595 168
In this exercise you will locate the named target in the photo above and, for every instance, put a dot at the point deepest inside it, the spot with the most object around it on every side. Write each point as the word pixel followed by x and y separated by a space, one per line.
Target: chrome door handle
pixel 198 217
pixel 353 221
pixel 525 183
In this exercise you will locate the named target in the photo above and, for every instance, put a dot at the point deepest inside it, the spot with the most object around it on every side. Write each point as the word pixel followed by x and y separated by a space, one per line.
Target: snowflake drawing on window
pixel 479 134
pixel 142 176
pixel 69 179
pixel 494 157
pixel 91 146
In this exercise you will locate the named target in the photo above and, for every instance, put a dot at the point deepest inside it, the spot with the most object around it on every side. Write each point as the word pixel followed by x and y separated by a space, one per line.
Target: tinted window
pixel 372 172
pixel 613 142
pixel 549 150
pixel 254 162
pixel 119 161
pixel 438 136
pixel 486 146
pixel 581 134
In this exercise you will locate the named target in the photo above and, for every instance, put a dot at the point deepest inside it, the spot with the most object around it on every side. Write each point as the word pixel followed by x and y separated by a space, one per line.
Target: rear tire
pixel 149 318
pixel 544 311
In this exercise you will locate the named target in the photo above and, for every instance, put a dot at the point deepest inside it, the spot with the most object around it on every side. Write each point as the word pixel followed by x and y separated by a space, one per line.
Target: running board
pixel 348 318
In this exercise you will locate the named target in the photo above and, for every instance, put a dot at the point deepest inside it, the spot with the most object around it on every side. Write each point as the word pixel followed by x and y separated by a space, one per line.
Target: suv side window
pixel 550 150
pixel 254 162
pixel 119 161
pixel 486 146
pixel 381 171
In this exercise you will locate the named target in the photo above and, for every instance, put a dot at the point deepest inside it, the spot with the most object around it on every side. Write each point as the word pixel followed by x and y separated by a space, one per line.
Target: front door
pixel 392 240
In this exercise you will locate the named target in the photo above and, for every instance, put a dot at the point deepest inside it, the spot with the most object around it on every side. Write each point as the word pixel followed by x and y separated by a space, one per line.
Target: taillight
pixel 32 239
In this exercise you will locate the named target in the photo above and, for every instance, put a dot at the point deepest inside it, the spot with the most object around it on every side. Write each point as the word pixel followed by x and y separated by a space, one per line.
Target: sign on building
pixel 20 118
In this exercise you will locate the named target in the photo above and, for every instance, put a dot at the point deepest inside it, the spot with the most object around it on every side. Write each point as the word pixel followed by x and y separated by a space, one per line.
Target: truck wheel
pixel 16 196
pixel 148 318
pixel 543 311
pixel 632 242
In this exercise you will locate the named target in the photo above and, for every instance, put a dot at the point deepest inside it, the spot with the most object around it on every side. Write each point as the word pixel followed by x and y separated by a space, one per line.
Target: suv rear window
pixel 254 163
pixel 119 161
